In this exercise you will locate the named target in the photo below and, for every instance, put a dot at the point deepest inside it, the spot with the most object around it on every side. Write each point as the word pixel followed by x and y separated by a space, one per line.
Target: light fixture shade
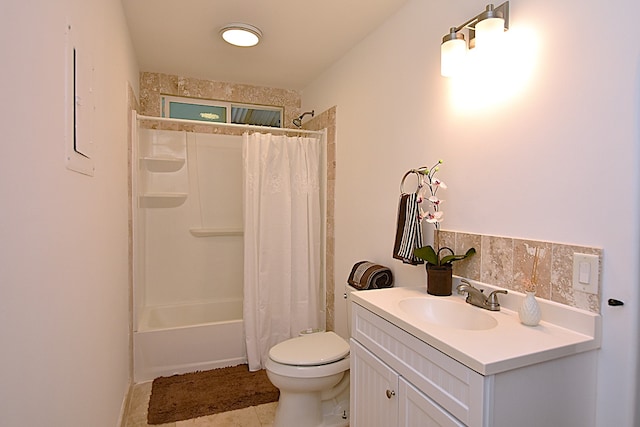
pixel 489 32
pixel 453 52
pixel 486 41
pixel 243 35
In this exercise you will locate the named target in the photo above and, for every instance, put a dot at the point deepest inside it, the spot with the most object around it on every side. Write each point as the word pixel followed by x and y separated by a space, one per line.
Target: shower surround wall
pixel 188 252
pixel 154 85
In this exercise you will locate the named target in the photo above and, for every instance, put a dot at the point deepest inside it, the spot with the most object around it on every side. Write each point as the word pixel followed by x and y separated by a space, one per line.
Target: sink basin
pixel 447 313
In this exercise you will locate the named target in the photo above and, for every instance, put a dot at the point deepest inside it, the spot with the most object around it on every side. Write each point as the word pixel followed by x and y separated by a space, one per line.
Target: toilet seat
pixel 310 350
pixel 317 371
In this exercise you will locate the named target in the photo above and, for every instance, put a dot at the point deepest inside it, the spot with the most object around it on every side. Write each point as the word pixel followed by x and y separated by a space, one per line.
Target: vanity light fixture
pixel 484 30
pixel 239 34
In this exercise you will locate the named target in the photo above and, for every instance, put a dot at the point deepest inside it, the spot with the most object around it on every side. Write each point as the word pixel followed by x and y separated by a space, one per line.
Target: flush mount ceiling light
pixel 243 35
pixel 484 30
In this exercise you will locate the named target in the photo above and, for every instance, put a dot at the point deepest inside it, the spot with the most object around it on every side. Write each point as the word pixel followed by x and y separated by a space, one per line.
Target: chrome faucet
pixel 476 297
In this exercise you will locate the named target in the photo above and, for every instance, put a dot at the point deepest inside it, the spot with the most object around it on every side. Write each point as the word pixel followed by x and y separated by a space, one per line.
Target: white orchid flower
pixel 435 201
pixel 422 191
pixel 428 186
pixel 434 217
pixel 437 183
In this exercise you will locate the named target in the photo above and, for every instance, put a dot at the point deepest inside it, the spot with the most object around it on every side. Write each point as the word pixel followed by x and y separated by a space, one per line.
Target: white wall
pixel 63 236
pixel 556 161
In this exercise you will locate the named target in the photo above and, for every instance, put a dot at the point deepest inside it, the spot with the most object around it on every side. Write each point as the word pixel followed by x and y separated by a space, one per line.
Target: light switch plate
pixel 586 272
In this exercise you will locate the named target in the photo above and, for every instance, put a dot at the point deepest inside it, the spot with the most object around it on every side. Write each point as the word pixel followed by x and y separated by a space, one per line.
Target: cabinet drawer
pixel 449 383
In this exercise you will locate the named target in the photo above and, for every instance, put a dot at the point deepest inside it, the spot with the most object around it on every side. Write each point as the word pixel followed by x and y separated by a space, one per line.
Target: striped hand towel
pixel 409 230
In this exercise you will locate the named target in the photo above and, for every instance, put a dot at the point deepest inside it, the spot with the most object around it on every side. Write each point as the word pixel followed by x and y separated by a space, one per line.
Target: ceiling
pixel 301 38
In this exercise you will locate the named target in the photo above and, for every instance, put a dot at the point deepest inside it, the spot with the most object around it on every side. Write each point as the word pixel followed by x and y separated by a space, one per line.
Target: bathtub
pixel 184 338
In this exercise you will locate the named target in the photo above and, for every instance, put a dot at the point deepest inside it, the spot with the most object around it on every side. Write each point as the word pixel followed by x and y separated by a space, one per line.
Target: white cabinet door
pixel 417 410
pixel 374 390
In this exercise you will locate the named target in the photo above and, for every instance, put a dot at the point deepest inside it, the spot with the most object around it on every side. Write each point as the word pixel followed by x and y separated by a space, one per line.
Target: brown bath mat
pixel 182 397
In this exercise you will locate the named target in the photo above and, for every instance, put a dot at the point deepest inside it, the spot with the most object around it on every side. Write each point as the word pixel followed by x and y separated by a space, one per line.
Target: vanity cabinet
pixel 386 399
pixel 400 380
pixel 377 386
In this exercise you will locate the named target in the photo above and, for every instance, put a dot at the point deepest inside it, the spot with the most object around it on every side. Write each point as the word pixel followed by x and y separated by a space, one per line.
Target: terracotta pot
pixel 439 279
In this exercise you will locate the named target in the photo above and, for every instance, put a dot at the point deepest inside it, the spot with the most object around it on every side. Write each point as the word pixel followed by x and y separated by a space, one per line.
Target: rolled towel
pixel 367 275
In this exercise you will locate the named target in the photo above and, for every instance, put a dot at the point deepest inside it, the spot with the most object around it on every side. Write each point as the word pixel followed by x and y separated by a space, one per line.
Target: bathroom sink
pixel 451 314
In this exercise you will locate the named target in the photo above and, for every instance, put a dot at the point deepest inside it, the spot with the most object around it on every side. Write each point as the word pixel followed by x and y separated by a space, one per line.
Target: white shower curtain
pixel 282 240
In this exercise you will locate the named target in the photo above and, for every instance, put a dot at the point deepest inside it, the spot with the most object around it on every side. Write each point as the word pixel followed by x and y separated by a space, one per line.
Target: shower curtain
pixel 282 240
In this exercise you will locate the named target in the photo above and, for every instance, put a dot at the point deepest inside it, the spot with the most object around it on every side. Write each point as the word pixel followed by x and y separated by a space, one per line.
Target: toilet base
pixel 307 410
pixel 298 409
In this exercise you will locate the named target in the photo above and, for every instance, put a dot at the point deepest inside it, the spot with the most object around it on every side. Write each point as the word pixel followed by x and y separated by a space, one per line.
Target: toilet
pixel 312 373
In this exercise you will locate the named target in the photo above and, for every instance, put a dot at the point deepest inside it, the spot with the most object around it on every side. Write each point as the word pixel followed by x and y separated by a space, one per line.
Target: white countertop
pixel 563 330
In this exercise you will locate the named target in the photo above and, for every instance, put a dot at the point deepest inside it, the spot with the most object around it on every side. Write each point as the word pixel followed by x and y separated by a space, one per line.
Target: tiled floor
pixel 253 416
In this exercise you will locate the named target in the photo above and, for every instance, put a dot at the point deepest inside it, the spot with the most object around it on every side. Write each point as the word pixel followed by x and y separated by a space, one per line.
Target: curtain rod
pixel 230 125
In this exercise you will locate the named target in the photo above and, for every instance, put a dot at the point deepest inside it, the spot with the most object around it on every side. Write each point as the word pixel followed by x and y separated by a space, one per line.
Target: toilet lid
pixel 309 350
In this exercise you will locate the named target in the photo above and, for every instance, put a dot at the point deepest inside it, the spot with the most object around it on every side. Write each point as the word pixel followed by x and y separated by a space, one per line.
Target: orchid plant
pixel 428 192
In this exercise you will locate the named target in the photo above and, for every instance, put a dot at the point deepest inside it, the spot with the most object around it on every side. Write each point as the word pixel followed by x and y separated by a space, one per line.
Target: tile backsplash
pixel 508 263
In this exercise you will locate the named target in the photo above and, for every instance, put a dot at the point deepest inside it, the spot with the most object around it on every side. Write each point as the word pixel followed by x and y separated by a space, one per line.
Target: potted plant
pixel 439 259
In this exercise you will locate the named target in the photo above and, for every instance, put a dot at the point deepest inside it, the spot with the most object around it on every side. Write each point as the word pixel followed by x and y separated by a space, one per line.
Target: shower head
pixel 298 121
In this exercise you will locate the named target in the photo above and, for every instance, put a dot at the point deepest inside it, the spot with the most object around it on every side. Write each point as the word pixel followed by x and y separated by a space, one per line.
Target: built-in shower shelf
pixel 162 200
pixel 214 232
pixel 162 164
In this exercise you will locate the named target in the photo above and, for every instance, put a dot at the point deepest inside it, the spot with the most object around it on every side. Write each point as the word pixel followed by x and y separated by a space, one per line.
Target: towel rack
pixel 418 173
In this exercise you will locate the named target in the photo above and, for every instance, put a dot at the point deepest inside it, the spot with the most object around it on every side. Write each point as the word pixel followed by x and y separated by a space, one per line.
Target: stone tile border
pixel 507 262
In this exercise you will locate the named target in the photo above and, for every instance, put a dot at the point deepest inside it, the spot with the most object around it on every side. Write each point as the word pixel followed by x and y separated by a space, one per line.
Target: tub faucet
pixel 478 298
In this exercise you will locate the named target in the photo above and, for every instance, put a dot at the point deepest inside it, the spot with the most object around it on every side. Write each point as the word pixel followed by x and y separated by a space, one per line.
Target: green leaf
pixel 451 258
pixel 427 253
